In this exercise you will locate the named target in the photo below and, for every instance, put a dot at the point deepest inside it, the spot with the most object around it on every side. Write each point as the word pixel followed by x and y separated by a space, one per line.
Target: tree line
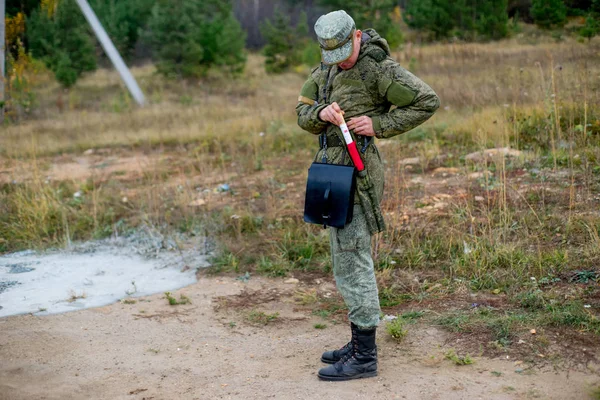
pixel 187 37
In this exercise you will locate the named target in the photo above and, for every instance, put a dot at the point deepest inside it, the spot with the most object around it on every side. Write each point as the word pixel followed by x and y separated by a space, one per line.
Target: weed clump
pixel 458 360
pixel 396 329
pixel 174 302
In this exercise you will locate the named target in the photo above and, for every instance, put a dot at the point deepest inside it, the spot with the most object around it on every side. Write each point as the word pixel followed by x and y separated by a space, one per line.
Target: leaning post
pixel 112 52
pixel 2 56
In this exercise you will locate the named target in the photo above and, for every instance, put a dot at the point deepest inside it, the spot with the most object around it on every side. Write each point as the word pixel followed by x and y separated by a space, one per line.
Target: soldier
pixel 357 79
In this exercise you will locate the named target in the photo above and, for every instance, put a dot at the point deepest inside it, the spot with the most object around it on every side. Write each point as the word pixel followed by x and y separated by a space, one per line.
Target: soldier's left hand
pixel 362 126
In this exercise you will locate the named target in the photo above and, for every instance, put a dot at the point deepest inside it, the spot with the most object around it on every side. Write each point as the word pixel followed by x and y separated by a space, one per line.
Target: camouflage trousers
pixel 353 270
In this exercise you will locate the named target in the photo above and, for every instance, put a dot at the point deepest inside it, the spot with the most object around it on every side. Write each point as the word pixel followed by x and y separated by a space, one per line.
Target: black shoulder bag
pixel 329 192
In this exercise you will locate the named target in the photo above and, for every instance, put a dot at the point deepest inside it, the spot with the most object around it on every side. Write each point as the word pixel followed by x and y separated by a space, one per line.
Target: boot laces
pixel 352 354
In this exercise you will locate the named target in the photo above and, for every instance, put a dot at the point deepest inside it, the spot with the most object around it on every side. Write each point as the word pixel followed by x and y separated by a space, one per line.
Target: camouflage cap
pixel 334 32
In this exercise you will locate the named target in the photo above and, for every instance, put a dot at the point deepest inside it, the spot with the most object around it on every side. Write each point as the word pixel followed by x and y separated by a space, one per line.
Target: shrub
pixel 62 40
pixel 190 37
pixel 123 20
pixel 462 18
pixel 396 329
pixel 590 29
pixel 549 14
pixel 285 44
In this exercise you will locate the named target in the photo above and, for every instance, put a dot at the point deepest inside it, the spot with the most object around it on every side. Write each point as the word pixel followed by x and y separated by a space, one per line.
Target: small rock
pixel 124 199
pixel 479 175
pixel 223 188
pixel 445 171
pixel 291 281
pixel 197 203
pixel 490 153
pixel 410 161
pixel 88 152
pixel 434 287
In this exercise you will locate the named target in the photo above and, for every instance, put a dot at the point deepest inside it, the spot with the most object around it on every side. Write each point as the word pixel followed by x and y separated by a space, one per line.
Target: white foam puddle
pixel 56 282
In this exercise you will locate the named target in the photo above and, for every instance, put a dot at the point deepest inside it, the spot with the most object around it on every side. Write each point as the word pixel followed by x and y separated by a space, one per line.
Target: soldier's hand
pixel 362 126
pixel 332 113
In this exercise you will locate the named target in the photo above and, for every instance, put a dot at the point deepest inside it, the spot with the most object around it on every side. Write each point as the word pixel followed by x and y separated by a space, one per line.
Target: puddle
pixel 94 274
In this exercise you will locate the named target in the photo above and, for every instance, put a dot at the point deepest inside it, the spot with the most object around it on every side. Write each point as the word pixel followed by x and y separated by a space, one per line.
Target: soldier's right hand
pixel 332 113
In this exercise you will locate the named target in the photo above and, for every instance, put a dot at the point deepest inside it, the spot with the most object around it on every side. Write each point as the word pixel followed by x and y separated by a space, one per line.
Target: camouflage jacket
pixel 371 87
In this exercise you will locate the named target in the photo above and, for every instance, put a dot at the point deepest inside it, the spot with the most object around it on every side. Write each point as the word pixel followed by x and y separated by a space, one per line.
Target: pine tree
pixel 431 16
pixel 548 14
pixel 123 20
pixel 591 28
pixel 190 36
pixel 62 41
pixel 492 19
pixel 281 50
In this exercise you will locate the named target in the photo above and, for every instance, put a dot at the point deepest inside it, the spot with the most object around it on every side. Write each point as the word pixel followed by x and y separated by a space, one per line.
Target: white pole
pixel 2 52
pixel 112 52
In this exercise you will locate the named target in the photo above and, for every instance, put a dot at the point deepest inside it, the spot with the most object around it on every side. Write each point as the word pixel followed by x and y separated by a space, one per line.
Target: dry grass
pixel 481 75
pixel 99 115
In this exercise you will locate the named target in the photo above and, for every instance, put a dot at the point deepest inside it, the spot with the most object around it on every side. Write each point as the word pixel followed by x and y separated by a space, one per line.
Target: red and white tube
pixel 352 149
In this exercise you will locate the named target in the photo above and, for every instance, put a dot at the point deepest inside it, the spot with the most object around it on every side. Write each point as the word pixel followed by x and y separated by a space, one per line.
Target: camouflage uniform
pixel 371 87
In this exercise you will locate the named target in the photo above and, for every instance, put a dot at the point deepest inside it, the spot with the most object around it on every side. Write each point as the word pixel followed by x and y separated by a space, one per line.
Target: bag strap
pixel 326 213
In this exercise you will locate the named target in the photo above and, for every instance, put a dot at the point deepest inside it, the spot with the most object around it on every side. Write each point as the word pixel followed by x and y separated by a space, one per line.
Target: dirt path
pixel 150 350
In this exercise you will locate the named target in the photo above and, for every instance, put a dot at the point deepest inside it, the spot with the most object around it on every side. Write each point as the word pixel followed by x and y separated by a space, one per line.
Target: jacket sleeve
pixel 308 109
pixel 415 101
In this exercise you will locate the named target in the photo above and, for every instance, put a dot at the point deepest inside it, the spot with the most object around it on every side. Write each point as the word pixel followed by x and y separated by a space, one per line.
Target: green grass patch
pixel 412 316
pixel 505 325
pixel 573 314
pixel 224 261
pixel 272 267
pixel 390 297
pixel 260 318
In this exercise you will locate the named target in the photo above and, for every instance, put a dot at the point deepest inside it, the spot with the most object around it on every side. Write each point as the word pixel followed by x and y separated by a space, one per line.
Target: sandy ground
pixel 150 350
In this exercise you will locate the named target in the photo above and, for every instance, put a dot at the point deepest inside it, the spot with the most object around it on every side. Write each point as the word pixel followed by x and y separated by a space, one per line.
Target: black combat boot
pixel 331 357
pixel 359 362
